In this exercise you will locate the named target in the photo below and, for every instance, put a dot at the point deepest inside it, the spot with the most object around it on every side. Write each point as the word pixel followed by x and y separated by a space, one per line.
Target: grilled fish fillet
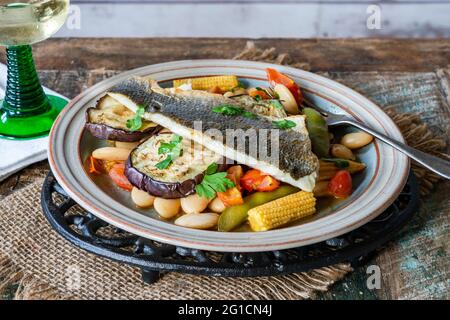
pixel 181 111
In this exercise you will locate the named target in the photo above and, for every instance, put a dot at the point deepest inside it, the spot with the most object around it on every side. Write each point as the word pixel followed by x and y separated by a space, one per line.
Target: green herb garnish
pixel 213 182
pixel 339 163
pixel 165 163
pixel 249 115
pixel 284 124
pixel 228 110
pixel 277 104
pixel 135 123
pixel 257 97
pixel 172 149
pixel 231 110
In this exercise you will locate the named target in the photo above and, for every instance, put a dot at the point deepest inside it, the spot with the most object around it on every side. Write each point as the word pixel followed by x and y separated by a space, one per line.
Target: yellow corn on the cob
pixel 225 83
pixel 282 211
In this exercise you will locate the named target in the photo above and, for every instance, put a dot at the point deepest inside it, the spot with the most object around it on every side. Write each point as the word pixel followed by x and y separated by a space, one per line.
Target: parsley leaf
pixel 228 110
pixel 212 168
pixel 248 115
pixel 277 104
pixel 231 110
pixel 213 182
pixel 172 149
pixel 284 124
pixel 135 123
pixel 164 164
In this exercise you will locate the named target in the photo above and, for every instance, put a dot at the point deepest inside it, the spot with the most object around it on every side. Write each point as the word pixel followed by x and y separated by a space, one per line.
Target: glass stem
pixel 24 94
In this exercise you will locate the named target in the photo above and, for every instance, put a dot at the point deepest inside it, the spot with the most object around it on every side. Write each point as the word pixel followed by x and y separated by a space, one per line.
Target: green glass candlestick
pixel 26 111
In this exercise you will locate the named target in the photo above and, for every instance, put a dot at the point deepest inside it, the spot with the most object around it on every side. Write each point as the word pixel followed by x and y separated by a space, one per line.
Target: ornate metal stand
pixel 96 236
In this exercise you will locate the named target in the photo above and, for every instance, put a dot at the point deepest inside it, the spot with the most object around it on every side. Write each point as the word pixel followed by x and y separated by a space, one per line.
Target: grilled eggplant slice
pixel 108 121
pixel 180 178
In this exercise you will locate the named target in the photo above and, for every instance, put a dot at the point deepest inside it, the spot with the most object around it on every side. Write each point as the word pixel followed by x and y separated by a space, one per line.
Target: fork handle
pixel 433 163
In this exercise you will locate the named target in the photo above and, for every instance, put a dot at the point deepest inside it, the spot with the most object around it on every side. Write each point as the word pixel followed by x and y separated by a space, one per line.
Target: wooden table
pixel 410 75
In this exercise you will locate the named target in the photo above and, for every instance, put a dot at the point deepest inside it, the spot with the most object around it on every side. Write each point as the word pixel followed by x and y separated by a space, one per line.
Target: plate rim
pixel 184 64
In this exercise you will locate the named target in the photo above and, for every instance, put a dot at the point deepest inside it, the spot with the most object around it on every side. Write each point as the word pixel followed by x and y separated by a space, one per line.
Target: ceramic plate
pixel 375 188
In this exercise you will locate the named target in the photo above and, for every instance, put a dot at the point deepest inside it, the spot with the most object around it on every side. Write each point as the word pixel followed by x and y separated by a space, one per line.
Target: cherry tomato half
pixel 340 186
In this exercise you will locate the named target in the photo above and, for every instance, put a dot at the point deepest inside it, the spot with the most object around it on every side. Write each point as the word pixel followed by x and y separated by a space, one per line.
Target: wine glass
pixel 26 111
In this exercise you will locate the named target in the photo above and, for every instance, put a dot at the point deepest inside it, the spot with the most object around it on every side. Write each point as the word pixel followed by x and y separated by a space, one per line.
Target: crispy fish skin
pixel 296 165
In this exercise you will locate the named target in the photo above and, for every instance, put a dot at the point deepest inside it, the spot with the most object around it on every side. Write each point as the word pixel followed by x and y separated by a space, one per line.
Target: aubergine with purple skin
pixel 177 180
pixel 108 121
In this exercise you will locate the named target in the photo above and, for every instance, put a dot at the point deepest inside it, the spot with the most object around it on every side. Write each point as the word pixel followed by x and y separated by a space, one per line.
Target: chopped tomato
pixel 268 183
pixel 258 93
pixel 259 181
pixel 117 174
pixel 276 77
pixel 340 186
pixel 231 197
pixel 94 166
pixel 250 180
pixel 235 174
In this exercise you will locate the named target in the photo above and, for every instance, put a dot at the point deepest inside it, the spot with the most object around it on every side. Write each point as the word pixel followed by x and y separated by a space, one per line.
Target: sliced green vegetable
pixel 234 216
pixel 318 132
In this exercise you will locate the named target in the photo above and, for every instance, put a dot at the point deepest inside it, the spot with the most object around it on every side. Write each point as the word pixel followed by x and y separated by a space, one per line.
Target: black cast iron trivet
pixel 96 236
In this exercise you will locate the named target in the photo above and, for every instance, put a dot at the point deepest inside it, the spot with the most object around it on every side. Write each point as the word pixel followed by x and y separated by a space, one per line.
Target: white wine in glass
pixel 26 112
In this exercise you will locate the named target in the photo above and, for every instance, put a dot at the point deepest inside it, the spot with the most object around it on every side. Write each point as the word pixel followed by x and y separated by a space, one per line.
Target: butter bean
pixel 167 208
pixel 111 154
pixel 356 140
pixel 198 220
pixel 287 99
pixel 194 204
pixel 237 92
pixel 217 205
pixel 141 198
pixel 342 152
pixel 127 145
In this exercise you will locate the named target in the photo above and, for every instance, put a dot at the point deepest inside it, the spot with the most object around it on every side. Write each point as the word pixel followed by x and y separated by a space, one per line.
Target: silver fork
pixel 435 164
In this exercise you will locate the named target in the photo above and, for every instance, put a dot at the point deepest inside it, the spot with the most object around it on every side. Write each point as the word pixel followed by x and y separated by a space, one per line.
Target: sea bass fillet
pixel 181 111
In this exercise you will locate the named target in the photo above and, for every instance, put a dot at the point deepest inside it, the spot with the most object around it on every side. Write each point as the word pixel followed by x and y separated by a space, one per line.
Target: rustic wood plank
pixel 318 54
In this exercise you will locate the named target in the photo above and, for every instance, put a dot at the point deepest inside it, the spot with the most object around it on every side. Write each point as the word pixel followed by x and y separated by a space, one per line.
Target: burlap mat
pixel 42 265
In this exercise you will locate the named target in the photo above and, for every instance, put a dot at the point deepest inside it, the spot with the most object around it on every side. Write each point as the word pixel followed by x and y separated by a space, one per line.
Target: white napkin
pixel 16 155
